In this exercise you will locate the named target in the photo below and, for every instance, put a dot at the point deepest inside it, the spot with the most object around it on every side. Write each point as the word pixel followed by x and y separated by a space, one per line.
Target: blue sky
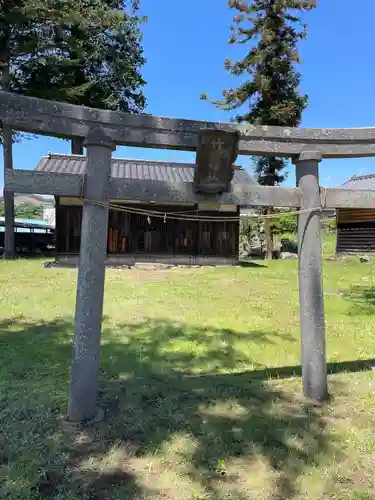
pixel 186 43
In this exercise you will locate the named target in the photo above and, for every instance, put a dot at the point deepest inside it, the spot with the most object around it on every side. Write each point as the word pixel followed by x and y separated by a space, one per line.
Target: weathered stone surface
pixel 310 271
pixel 151 266
pixel 65 120
pixel 28 181
pixel 365 259
pixel 240 194
pixel 90 284
pixel 8 197
pixel 24 181
pixel 288 256
pixel 216 154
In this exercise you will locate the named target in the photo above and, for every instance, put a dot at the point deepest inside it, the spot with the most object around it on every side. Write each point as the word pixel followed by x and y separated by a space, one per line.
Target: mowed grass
pixel 199 382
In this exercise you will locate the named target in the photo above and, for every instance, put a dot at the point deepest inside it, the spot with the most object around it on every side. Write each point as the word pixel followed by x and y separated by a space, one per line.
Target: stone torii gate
pixel 104 130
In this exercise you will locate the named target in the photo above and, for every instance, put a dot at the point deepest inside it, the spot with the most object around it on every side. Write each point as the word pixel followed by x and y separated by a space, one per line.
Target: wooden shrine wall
pixel 133 233
pixel 355 230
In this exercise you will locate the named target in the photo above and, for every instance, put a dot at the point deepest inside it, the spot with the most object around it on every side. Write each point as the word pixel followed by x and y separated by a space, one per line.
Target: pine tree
pixel 269 91
pixel 85 52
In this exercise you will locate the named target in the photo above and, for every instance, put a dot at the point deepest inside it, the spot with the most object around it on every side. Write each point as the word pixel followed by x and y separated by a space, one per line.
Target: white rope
pixel 184 215
pixel 161 215
pixel 201 218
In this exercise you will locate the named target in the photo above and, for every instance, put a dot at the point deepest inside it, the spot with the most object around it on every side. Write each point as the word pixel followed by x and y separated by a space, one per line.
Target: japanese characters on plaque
pixel 216 153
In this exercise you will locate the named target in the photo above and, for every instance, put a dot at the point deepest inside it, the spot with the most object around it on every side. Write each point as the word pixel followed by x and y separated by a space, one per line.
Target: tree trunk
pixel 9 244
pixel 77 146
pixel 268 234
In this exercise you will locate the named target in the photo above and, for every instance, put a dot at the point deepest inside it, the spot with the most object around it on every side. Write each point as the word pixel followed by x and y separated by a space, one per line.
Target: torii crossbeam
pixel 103 130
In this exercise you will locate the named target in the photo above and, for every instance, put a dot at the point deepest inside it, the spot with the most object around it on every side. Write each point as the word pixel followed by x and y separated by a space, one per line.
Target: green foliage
pixel 28 211
pixel 85 52
pixel 329 224
pixel 25 211
pixel 284 223
pixel 248 225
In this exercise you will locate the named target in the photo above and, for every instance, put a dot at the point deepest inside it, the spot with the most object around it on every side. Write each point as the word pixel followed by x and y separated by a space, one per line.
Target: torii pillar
pixel 310 276
pixel 91 275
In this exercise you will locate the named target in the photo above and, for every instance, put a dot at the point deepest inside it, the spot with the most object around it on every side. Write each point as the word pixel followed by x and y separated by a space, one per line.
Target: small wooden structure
pixel 104 129
pixel 30 235
pixel 171 232
pixel 356 227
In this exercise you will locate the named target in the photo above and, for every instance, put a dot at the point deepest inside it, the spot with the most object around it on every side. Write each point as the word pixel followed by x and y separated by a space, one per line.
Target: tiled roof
pixel 360 182
pixel 133 169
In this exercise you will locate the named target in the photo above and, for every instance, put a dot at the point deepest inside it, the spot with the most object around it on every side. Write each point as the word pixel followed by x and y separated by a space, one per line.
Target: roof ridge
pixel 70 155
pixel 162 162
pixel 360 177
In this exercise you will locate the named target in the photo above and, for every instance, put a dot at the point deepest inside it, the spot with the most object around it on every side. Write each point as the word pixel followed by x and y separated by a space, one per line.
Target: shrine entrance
pixel 217 146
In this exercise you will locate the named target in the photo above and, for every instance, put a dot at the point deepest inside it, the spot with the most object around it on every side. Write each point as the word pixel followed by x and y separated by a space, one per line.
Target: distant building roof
pixel 27 224
pixel 35 199
pixel 133 169
pixel 360 182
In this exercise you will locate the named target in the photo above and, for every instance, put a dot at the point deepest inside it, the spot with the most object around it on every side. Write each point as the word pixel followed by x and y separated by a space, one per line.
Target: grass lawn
pixel 199 382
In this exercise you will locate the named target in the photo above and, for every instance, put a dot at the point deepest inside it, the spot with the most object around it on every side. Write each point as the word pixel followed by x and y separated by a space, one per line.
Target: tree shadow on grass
pixel 168 414
pixel 250 263
pixel 165 348
pixel 362 300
